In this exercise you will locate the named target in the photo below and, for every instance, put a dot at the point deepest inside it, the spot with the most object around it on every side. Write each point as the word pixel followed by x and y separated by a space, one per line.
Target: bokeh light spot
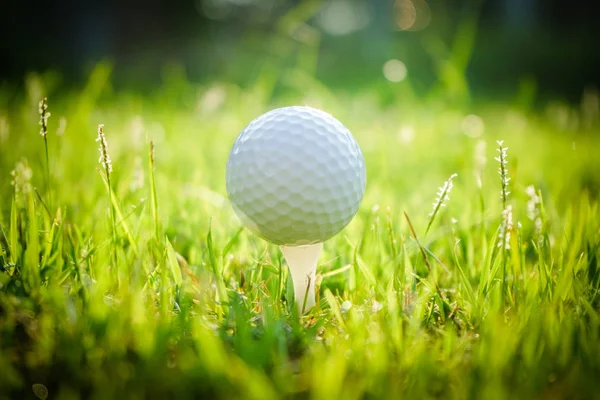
pixel 406 134
pixel 406 14
pixel 412 15
pixel 211 99
pixel 341 17
pixel 214 9
pixel 473 126
pixel 394 71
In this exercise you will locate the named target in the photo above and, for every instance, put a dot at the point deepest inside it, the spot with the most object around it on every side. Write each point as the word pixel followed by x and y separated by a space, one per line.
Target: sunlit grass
pixel 116 289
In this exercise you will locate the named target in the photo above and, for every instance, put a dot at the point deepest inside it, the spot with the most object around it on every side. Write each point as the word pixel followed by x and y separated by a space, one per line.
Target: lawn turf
pixel 156 291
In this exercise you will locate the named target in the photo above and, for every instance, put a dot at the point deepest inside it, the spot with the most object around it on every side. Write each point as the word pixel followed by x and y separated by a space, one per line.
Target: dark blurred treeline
pixel 550 45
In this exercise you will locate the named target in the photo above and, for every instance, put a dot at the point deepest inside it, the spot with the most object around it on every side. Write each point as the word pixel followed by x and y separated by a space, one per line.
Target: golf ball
pixel 295 176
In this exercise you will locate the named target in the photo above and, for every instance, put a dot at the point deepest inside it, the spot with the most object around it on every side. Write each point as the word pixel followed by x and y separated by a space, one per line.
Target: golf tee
pixel 302 263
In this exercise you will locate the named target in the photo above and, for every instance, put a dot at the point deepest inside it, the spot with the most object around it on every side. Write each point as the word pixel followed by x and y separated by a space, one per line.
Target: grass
pixel 140 282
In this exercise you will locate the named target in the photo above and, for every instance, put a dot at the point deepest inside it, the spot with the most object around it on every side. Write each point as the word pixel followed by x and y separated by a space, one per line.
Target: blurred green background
pixel 502 48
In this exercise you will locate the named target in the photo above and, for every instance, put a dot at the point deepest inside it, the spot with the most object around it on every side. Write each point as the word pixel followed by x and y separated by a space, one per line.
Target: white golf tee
pixel 302 263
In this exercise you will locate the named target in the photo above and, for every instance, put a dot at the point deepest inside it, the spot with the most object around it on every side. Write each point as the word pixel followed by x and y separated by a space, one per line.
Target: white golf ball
pixel 296 176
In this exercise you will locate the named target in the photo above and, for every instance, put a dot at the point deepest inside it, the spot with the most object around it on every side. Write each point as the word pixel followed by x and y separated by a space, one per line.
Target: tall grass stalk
pixel 506 228
pixel 445 307
pixel 480 161
pixel 106 169
pixel 506 225
pixel 44 115
pixel 153 192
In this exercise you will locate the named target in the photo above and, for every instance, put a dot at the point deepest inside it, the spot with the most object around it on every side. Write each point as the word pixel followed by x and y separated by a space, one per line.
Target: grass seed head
pixel 21 177
pixel 506 228
pixel 533 203
pixel 503 171
pixel 44 115
pixel 104 159
pixel 443 195
pixel 152 152
pixel 534 212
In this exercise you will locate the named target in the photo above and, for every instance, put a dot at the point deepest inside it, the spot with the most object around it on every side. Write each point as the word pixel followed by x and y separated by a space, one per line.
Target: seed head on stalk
pixel 104 159
pixel 506 228
pixel 534 212
pixel 503 171
pixel 21 178
pixel 44 115
pixel 106 164
pixel 442 196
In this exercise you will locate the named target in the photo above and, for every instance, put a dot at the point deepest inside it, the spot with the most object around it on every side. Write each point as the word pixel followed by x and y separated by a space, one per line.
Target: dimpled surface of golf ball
pixel 295 176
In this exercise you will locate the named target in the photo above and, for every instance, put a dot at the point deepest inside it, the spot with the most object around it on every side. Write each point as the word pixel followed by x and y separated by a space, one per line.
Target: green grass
pixel 143 284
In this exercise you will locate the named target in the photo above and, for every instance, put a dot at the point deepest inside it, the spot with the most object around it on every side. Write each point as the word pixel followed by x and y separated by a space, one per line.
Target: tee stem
pixel 302 263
